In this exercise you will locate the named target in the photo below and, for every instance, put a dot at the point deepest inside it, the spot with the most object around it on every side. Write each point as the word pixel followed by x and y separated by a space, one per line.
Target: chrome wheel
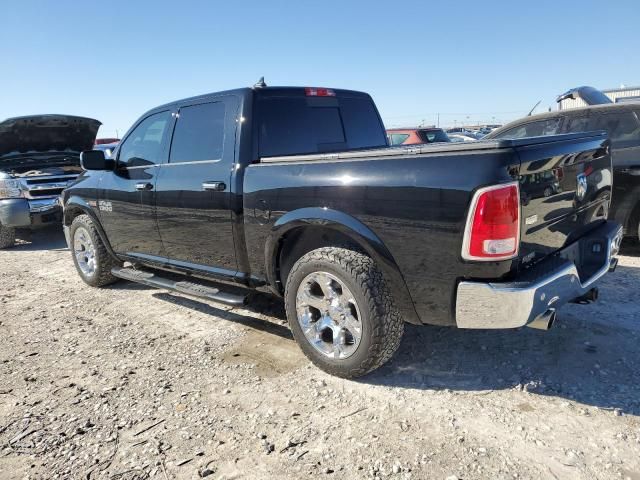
pixel 85 251
pixel 328 315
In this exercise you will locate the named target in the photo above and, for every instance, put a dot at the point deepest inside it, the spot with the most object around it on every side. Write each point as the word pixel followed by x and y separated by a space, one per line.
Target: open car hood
pixel 590 95
pixel 21 136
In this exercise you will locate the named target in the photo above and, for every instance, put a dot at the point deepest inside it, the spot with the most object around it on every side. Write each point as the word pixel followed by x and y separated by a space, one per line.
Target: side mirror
pixel 95 160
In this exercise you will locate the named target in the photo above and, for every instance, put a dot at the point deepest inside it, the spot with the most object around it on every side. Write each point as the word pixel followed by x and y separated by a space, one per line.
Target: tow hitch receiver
pixel 589 297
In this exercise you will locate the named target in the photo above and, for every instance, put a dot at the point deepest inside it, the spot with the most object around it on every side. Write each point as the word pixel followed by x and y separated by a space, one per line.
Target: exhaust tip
pixel 544 321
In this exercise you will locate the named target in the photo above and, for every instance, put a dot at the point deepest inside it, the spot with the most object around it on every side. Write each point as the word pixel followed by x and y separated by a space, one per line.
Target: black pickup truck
pixel 296 190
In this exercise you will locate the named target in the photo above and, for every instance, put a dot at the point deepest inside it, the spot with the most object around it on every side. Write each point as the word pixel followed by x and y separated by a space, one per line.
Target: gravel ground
pixel 129 382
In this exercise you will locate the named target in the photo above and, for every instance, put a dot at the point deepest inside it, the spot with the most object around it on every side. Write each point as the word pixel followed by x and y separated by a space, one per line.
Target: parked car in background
pixel 486 130
pixel 39 157
pixel 306 199
pixel 621 121
pixel 107 148
pixel 459 137
pixel 416 136
pixel 463 131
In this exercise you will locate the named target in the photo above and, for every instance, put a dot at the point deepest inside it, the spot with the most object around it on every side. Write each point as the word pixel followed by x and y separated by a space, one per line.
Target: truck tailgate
pixel 565 190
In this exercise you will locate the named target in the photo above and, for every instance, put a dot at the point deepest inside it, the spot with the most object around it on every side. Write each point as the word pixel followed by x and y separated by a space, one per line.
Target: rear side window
pixel 398 138
pixel 300 125
pixel 540 128
pixel 623 128
pixel 578 124
pixel 144 145
pixel 199 133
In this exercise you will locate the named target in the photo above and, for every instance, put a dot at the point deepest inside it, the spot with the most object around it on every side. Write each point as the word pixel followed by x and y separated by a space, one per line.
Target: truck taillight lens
pixel 493 224
pixel 319 92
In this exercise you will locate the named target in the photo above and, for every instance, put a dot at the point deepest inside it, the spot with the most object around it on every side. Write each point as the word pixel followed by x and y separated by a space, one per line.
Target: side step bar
pixel 187 288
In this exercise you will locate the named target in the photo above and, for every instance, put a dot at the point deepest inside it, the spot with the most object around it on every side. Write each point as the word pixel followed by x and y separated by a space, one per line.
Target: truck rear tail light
pixel 493 224
pixel 319 92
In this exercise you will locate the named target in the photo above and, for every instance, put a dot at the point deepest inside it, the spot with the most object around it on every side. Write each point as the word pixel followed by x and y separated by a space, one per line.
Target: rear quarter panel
pixel 416 206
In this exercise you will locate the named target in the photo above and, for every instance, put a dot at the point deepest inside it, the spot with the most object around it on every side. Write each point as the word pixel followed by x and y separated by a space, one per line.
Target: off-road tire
pixel 104 261
pixel 382 325
pixel 7 236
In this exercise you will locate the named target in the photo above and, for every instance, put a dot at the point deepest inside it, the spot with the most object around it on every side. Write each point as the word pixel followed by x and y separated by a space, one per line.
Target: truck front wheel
pixel 7 236
pixel 90 256
pixel 341 312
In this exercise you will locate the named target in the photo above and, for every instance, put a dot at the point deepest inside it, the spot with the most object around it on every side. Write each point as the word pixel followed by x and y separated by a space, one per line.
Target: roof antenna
pixel 260 83
pixel 534 107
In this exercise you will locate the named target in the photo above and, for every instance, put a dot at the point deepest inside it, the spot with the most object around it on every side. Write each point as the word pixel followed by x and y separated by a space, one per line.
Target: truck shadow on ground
pixel 583 358
pixel 590 356
pixel 568 363
pixel 262 304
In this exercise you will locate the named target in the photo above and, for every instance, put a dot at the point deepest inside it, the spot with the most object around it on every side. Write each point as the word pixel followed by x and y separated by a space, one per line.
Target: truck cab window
pixel 329 118
pixel 199 133
pixel 297 125
pixel 144 145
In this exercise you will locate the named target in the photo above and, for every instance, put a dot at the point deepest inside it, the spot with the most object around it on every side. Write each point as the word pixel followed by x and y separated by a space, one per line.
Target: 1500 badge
pixel 105 206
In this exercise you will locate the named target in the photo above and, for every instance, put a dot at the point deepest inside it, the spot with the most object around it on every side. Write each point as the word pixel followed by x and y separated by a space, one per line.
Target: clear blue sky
pixel 479 59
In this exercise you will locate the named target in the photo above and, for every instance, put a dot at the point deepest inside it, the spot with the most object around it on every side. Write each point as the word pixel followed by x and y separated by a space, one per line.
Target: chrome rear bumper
pixel 552 283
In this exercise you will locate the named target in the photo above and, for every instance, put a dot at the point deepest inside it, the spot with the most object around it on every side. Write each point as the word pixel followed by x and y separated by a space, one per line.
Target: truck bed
pixel 415 200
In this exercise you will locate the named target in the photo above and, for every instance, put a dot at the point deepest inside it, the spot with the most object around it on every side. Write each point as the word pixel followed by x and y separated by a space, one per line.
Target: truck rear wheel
pixel 341 312
pixel 90 256
pixel 7 236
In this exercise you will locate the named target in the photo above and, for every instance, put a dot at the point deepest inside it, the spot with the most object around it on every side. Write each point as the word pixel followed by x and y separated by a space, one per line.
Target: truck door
pixel 193 194
pixel 126 201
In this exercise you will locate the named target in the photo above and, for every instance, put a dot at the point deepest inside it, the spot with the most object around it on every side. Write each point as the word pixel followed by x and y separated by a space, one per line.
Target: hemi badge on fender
pixel 531 220
pixel 92 203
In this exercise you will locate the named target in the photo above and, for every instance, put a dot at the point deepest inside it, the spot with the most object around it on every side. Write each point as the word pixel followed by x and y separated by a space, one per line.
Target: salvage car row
pixel 296 190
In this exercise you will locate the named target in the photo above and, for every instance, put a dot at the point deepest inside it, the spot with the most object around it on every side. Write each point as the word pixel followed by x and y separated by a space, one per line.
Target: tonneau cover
pixel 435 148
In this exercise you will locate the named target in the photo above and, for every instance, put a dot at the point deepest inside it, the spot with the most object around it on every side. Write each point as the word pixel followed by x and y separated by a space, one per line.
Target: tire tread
pixel 388 325
pixel 7 236
pixel 105 261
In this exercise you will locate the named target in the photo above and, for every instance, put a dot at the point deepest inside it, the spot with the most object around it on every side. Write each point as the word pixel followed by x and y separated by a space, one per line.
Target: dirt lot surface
pixel 128 382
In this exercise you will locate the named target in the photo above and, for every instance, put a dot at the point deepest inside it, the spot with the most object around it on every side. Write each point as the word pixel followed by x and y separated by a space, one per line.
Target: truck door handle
pixel 144 186
pixel 214 186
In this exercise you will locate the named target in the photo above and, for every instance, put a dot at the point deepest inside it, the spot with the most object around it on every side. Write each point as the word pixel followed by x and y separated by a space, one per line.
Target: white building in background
pixel 617 95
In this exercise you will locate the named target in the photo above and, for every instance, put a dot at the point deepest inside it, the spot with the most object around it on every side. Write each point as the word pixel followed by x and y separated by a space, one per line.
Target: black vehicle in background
pixel 295 190
pixel 622 123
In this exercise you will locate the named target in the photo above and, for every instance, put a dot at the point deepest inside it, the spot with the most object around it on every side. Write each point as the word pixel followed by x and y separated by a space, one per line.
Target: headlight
pixel 10 189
